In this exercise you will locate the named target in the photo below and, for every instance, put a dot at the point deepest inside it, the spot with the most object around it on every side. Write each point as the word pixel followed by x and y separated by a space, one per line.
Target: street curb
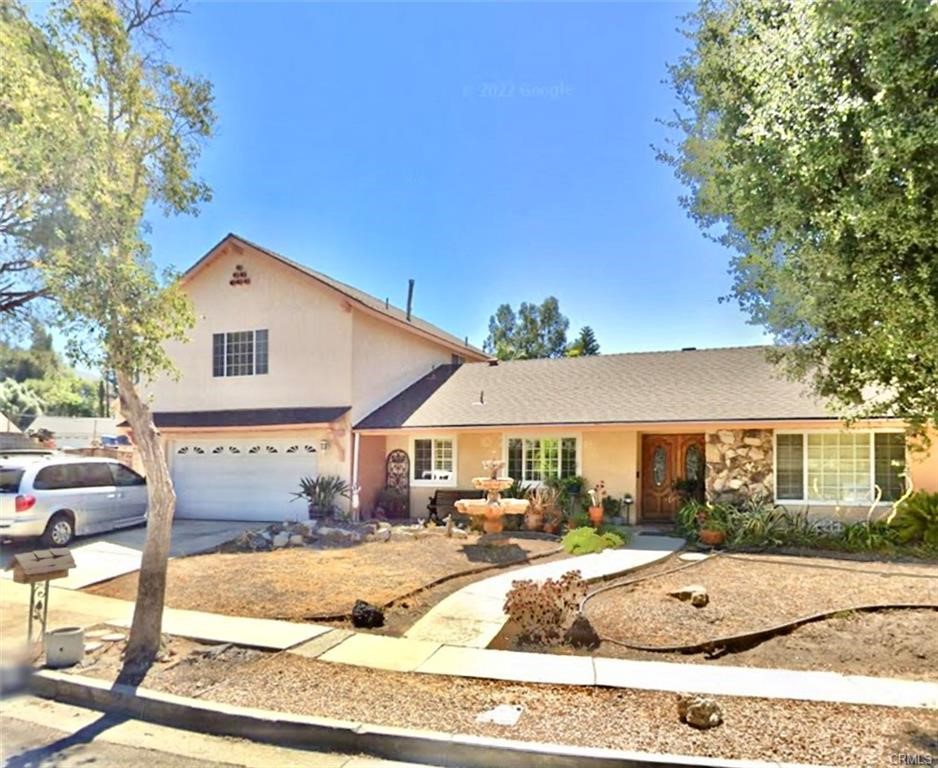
pixel 285 729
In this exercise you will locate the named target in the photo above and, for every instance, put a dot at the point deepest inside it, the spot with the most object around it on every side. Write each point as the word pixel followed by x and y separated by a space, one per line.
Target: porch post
pixel 356 452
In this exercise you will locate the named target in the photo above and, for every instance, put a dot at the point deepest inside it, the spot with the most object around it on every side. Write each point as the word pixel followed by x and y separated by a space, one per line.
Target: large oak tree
pixel 808 141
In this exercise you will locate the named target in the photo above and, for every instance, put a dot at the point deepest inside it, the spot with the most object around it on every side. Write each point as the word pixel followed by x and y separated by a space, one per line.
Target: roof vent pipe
pixel 410 297
pixel 688 349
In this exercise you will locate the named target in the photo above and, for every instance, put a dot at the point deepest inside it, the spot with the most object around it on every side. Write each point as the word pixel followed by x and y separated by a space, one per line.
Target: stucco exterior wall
pixel 386 360
pixel 614 456
pixel 309 336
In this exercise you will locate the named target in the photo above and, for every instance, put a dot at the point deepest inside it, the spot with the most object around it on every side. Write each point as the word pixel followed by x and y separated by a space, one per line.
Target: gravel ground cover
pixel 789 731
pixel 752 592
pixel 302 583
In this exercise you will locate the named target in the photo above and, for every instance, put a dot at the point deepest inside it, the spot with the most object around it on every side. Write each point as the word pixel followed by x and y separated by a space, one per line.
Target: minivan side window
pixel 94 475
pixel 55 477
pixel 124 476
pixel 10 479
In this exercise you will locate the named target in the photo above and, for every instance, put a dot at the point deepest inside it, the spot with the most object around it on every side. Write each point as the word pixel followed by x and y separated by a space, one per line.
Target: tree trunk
pixel 144 642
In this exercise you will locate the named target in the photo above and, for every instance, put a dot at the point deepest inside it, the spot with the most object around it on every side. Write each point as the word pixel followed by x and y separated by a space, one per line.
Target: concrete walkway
pixel 473 616
pixel 115 553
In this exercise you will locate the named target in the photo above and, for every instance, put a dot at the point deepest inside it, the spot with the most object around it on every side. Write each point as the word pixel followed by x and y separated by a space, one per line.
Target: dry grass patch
pixel 295 584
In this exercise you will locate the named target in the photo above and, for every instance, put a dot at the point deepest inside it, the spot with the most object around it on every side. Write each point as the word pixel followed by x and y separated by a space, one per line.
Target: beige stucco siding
pixel 613 455
pixel 385 360
pixel 310 340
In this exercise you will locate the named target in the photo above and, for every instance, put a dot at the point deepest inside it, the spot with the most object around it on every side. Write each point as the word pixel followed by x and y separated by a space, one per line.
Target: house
pixel 75 431
pixel 289 373
pixel 281 363
pixel 639 422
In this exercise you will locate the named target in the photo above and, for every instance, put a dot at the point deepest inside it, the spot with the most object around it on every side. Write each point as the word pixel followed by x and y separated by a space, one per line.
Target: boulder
pixel 581 634
pixel 338 536
pixel 696 594
pixel 281 540
pixel 699 711
pixel 382 534
pixel 367 616
pixel 459 533
pixel 297 540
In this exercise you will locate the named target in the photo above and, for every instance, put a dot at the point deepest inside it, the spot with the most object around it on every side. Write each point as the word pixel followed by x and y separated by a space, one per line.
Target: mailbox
pixel 37 569
pixel 42 565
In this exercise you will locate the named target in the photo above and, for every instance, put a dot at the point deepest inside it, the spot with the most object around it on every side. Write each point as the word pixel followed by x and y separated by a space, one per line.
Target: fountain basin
pixel 492 512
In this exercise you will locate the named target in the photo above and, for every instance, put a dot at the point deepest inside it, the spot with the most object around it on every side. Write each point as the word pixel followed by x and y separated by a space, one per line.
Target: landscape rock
pixel 581 634
pixel 367 616
pixel 698 711
pixel 460 533
pixel 695 593
pixel 281 540
pixel 297 540
pixel 382 534
pixel 503 714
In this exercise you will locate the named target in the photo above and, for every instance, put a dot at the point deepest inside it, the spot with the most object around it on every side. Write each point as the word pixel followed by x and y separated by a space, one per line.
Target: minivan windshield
pixel 10 479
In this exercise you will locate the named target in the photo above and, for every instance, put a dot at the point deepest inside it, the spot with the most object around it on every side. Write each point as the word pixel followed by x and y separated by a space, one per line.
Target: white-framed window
pixel 536 459
pixel 434 461
pixel 828 467
pixel 239 353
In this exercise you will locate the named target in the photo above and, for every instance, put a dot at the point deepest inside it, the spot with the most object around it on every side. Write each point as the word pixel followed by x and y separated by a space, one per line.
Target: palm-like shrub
pixel 321 493
pixel 916 519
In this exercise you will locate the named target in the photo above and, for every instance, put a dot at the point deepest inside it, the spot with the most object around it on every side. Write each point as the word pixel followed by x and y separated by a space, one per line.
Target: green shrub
pixel 611 506
pixel 868 536
pixel 916 520
pixel 586 541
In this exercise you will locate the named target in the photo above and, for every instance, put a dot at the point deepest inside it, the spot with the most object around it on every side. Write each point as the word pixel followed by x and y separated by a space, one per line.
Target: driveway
pixel 108 555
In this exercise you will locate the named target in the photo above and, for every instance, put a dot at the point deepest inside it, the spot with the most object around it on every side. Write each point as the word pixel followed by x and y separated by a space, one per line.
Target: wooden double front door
pixel 665 460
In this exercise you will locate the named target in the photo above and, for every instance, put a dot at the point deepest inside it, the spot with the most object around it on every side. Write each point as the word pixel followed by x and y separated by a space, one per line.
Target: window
pixel 10 479
pixel 124 476
pixel 94 475
pixel 239 353
pixel 533 460
pixel 55 477
pixel 839 467
pixel 434 461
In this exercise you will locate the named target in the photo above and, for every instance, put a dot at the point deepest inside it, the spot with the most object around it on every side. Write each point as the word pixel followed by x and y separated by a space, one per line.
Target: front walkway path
pixel 473 616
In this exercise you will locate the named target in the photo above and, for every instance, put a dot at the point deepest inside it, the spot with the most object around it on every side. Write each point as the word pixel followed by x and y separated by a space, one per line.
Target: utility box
pixel 42 565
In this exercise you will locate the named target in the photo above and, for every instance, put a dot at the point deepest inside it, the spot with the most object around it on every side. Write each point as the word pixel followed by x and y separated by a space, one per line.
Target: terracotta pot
pixel 596 516
pixel 533 521
pixel 493 524
pixel 711 538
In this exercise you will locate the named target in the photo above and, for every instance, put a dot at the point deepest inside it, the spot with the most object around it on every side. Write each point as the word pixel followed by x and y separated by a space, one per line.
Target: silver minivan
pixel 57 497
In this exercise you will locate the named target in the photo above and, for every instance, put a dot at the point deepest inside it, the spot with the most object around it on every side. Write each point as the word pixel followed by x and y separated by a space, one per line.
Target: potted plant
pixel 321 493
pixel 553 517
pixel 712 522
pixel 597 494
pixel 540 497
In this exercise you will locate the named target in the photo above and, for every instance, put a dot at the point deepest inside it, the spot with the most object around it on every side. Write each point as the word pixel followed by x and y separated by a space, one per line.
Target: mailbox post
pixel 37 569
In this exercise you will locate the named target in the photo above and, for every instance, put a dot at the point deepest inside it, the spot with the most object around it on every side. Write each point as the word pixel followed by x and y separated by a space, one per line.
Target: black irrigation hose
pixel 436 583
pixel 637 579
pixel 806 564
pixel 735 643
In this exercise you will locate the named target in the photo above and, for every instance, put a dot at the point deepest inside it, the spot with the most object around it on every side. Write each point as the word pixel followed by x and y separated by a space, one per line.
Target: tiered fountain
pixel 493 508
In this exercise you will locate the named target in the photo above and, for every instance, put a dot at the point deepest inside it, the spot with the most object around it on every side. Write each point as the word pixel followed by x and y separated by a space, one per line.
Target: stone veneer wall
pixel 739 465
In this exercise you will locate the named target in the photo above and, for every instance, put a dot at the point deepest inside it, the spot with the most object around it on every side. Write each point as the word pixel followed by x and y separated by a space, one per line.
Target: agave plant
pixel 916 519
pixel 321 493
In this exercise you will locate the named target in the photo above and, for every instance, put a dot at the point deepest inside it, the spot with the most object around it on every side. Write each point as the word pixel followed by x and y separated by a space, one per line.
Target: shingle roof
pixel 350 292
pixel 250 417
pixel 731 384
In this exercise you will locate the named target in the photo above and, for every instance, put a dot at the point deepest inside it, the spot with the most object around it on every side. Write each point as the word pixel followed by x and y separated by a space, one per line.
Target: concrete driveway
pixel 108 555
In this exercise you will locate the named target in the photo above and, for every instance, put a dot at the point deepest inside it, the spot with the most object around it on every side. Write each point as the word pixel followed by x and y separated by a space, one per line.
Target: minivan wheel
pixel 59 531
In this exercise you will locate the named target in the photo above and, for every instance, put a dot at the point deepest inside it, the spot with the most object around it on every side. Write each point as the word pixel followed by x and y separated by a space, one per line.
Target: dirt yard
pixel 303 583
pixel 753 592
pixel 785 731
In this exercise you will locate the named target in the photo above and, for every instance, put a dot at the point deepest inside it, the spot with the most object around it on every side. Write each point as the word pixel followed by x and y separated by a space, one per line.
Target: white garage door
pixel 241 479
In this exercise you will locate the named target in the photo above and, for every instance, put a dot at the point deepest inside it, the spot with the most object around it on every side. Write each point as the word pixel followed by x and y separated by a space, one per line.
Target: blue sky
pixel 493 152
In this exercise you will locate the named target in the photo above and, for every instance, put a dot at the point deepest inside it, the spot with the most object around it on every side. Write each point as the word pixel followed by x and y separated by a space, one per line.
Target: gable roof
pixel 371 303
pixel 731 384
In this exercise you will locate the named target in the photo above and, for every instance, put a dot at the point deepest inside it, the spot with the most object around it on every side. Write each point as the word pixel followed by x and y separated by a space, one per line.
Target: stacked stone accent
pixel 739 465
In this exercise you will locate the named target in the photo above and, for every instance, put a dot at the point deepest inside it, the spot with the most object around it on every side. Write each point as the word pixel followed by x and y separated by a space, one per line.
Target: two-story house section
pixel 281 363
